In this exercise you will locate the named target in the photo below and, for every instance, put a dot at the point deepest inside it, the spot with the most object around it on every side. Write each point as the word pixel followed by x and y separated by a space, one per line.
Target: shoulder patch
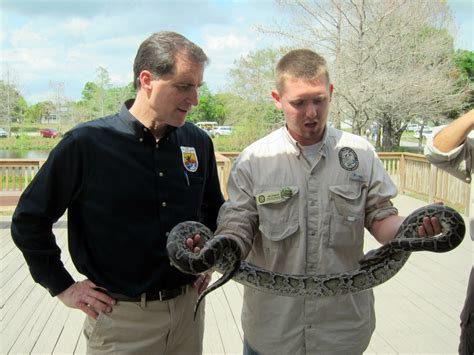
pixel 348 159
pixel 190 160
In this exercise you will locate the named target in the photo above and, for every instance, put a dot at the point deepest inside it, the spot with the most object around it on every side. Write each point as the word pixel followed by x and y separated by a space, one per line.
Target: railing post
pixel 433 183
pixel 7 178
pixel 402 170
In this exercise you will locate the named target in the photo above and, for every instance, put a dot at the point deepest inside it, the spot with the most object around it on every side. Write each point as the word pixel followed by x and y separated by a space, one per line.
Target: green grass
pixel 23 142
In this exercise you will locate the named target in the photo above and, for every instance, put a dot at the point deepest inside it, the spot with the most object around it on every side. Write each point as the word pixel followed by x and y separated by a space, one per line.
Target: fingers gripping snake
pixel 222 254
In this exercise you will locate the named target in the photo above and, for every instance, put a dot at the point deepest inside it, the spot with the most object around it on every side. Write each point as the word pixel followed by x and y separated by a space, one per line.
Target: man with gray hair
pixel 126 180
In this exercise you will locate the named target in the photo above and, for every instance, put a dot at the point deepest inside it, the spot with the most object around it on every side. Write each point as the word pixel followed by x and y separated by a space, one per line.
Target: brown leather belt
pixel 162 295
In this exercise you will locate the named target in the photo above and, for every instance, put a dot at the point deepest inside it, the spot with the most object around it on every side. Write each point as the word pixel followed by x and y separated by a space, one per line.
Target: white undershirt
pixel 311 151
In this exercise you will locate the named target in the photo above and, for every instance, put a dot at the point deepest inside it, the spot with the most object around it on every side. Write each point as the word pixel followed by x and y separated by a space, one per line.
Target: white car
pixel 413 127
pixel 223 130
pixel 3 133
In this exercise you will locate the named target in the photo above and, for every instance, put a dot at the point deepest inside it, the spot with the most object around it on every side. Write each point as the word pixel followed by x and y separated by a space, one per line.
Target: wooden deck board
pixel 71 333
pixel 417 311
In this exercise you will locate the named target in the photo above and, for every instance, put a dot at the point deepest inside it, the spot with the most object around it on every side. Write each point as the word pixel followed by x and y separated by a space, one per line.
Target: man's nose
pixel 311 110
pixel 193 97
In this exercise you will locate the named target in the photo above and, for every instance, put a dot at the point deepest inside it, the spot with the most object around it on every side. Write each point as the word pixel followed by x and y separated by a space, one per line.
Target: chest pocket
pixel 349 200
pixel 346 223
pixel 278 220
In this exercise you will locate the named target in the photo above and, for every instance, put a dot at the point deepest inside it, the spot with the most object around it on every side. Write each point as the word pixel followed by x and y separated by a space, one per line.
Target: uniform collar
pixel 135 126
pixel 296 147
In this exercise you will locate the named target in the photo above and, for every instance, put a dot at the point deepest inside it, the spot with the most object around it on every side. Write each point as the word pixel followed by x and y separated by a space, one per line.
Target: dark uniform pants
pixel 466 345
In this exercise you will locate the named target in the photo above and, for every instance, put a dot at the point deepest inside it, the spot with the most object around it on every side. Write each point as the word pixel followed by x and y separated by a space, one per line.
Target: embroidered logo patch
pixel 190 159
pixel 348 159
pixel 274 196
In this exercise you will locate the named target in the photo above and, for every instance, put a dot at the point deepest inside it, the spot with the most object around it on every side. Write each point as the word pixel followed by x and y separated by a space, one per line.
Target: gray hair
pixel 158 54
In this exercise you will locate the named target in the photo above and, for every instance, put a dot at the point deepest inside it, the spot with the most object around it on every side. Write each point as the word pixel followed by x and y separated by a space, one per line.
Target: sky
pixel 48 42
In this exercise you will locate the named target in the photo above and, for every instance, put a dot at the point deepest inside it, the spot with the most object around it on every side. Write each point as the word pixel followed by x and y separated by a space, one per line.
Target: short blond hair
pixel 300 64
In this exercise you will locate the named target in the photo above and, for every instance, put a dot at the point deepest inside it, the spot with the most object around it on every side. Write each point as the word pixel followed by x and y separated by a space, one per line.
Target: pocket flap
pixel 278 231
pixel 349 192
pixel 278 214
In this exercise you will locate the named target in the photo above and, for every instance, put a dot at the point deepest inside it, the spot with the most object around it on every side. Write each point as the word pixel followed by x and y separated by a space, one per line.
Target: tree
pixel 252 119
pixel 388 58
pixel 12 103
pixel 250 107
pixel 464 60
pixel 210 107
pixel 103 84
pixel 100 98
pixel 252 76
pixel 39 110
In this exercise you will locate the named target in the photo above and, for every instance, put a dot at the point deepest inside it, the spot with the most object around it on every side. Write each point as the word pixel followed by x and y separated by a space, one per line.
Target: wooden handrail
pixel 412 173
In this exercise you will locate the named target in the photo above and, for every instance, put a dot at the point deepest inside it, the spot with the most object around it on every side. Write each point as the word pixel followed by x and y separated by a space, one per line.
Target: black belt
pixel 162 295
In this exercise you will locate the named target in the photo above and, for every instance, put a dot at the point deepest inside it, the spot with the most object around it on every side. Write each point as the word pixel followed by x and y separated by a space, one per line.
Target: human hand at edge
pixel 430 226
pixel 194 243
pixel 202 282
pixel 84 295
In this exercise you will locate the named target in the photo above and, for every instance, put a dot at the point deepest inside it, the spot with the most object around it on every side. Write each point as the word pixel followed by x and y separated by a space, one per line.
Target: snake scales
pixel 222 254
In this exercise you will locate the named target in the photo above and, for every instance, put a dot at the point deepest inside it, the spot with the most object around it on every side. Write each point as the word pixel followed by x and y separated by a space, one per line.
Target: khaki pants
pixel 156 327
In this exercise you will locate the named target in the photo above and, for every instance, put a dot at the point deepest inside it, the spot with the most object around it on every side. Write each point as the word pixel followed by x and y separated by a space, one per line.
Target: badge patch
pixel 348 159
pixel 190 159
pixel 274 196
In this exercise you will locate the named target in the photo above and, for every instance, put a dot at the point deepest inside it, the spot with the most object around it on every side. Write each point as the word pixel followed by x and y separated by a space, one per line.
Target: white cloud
pixel 27 37
pixel 76 26
pixel 230 41
pixel 223 49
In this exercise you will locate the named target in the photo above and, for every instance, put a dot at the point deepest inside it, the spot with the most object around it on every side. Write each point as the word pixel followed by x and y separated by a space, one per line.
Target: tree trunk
pixel 387 135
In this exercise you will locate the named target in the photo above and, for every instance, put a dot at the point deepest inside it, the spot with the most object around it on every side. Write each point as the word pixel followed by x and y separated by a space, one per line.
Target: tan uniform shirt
pixel 458 162
pixel 318 230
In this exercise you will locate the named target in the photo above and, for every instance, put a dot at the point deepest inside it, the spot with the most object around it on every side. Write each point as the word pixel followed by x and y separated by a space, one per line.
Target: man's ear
pixel 331 89
pixel 276 99
pixel 146 77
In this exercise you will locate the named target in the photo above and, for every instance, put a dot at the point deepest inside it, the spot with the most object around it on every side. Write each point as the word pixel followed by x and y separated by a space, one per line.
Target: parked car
pixel 413 127
pixel 223 130
pixel 207 126
pixel 3 133
pixel 49 133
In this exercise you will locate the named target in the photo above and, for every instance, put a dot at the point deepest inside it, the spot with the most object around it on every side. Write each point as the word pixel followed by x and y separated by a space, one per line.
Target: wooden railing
pixel 16 174
pixel 223 169
pixel 412 173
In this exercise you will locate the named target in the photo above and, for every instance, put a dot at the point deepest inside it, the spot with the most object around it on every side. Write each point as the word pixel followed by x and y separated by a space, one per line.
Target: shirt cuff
pixel 439 156
pixel 59 281
pixel 380 214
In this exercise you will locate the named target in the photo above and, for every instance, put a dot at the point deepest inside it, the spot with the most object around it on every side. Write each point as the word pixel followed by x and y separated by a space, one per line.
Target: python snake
pixel 222 254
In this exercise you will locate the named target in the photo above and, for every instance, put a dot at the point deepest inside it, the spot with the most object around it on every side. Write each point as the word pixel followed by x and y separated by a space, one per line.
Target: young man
pixel 126 180
pixel 299 199
pixel 452 149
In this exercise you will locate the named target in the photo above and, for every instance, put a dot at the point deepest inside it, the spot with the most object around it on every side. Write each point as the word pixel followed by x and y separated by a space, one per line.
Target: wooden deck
pixel 417 311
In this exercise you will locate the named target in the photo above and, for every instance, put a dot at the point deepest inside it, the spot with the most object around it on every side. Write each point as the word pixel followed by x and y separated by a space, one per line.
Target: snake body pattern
pixel 222 254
